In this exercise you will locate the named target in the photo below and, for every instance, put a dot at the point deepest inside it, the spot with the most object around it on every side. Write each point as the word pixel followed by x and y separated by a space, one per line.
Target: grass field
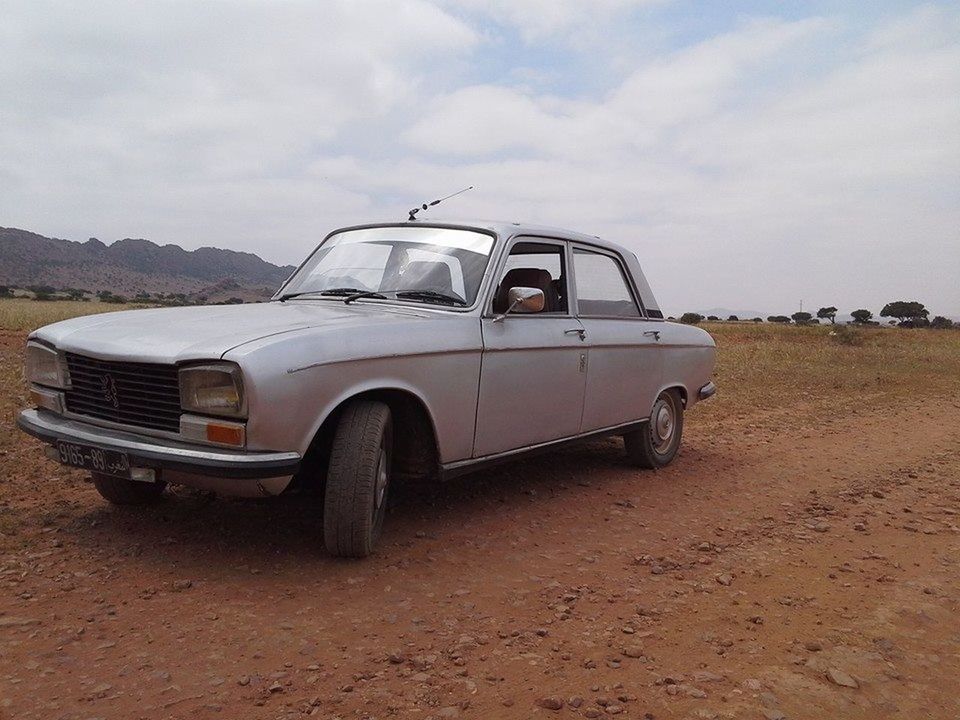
pixel 23 314
pixel 758 365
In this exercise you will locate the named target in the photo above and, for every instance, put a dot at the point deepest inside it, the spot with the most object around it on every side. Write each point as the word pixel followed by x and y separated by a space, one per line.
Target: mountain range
pixel 132 266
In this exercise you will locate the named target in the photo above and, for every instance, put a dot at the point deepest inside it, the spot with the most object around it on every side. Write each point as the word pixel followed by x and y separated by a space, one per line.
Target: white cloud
pixel 780 160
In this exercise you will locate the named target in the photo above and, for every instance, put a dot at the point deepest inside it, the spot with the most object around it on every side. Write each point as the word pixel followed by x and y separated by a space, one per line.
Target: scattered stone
pixel 839 677
pixel 551 702
pixel 705 676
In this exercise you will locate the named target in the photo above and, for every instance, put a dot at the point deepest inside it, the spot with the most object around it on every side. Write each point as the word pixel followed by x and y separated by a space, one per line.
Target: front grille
pixel 141 394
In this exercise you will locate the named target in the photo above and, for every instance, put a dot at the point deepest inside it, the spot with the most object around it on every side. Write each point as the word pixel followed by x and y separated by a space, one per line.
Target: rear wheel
pixel 121 491
pixel 358 478
pixel 656 443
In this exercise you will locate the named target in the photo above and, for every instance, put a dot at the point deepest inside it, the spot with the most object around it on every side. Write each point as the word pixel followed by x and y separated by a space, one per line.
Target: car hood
pixel 170 335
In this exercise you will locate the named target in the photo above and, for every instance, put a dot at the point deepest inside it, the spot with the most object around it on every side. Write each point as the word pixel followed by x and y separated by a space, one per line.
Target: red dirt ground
pixel 780 557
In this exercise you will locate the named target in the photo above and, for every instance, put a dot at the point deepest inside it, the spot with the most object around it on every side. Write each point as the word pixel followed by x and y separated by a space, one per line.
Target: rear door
pixel 624 368
pixel 533 371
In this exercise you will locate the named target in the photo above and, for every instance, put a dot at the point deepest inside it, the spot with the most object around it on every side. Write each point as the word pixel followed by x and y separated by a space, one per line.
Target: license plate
pixel 108 462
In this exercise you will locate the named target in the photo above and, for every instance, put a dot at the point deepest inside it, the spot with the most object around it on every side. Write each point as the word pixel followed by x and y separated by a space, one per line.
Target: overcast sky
pixel 752 154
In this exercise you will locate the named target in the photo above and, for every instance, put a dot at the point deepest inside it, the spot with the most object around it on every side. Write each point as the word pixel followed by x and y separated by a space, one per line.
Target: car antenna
pixel 413 213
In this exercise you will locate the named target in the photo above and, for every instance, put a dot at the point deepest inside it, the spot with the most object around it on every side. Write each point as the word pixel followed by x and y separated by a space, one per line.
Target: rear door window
pixel 602 287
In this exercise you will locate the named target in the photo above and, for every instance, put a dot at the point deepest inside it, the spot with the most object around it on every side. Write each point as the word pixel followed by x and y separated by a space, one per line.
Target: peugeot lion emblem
pixel 109 389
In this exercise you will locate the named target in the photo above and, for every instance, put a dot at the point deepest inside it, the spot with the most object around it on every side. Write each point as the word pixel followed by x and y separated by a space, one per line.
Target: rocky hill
pixel 130 266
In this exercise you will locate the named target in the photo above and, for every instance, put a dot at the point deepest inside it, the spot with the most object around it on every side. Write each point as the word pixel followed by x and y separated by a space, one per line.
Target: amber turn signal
pixel 231 434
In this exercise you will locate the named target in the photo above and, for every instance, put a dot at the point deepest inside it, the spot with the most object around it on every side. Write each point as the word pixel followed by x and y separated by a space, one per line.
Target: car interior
pixel 536 265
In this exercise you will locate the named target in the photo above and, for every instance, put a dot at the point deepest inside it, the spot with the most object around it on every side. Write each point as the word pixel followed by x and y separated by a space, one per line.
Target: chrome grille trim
pixel 139 394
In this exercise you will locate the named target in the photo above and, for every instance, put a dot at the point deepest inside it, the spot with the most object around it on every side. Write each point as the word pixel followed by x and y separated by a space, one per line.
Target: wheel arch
pixel 680 388
pixel 416 443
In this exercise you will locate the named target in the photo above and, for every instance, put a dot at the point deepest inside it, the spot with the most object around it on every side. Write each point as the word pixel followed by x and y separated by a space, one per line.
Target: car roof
pixel 502 228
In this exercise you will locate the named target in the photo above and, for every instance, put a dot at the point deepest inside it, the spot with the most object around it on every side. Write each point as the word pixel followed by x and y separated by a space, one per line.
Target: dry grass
pixel 774 366
pixel 22 314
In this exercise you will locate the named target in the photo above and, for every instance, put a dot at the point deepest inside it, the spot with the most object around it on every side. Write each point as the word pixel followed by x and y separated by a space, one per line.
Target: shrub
pixel 691 318
pixel 733 318
pixel 846 335
pixel 941 323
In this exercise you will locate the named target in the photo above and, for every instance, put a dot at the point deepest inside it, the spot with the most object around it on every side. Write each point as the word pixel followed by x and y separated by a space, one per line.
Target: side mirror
pixel 523 300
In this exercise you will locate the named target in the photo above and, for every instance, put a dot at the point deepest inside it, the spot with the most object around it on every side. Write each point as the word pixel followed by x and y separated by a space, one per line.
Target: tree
pixel 941 323
pixel 778 319
pixel 733 318
pixel 691 318
pixel 828 313
pixel 861 317
pixel 906 311
pixel 802 317
pixel 713 318
pixel 5 291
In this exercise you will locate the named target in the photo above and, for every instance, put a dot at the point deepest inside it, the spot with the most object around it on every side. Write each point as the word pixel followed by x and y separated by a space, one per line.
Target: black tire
pixel 120 491
pixel 656 443
pixel 358 479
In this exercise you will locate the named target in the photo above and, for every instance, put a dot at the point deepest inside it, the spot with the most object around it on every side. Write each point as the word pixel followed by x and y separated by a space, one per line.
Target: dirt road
pixel 800 564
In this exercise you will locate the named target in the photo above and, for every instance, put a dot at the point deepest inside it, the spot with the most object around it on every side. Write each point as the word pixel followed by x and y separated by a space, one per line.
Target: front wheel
pixel 656 443
pixel 121 491
pixel 355 499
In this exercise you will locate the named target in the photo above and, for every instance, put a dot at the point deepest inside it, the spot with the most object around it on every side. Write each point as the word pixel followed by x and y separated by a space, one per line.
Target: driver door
pixel 533 372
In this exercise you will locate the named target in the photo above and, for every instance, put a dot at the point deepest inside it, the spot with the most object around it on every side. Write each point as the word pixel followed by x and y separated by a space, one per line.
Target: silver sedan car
pixel 395 351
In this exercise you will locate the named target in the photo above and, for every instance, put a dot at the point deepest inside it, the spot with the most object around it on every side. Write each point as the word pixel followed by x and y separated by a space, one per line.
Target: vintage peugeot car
pixel 414 349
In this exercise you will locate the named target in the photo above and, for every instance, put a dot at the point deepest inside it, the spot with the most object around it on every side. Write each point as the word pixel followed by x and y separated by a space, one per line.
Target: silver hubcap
pixel 662 425
pixel 381 488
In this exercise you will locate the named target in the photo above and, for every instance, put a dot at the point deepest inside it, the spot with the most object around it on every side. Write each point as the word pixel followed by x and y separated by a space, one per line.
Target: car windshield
pixel 413 263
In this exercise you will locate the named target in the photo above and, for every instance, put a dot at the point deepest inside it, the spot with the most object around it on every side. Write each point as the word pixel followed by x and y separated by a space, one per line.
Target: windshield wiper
pixel 363 294
pixel 432 295
pixel 290 296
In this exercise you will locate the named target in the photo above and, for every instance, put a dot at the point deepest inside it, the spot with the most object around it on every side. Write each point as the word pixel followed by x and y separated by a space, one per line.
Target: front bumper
pixel 159 453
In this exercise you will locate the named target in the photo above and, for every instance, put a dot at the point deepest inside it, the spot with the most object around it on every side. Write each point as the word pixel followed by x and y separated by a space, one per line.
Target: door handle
pixel 655 334
pixel 579 331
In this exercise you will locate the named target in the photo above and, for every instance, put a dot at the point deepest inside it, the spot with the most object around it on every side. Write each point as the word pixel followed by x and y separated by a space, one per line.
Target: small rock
pixel 575 702
pixel 180 585
pixel 725 579
pixel 813 646
pixel 592 713
pixel 243 680
pixel 633 651
pixel 773 714
pixel 839 677
pixel 551 702
pixel 613 709
pixel 276 687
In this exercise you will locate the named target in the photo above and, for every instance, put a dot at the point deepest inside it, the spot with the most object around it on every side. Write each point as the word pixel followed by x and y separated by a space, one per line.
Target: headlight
pixel 44 366
pixel 214 389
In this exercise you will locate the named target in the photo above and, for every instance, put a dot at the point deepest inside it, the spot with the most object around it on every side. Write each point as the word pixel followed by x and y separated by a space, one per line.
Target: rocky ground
pixel 798 563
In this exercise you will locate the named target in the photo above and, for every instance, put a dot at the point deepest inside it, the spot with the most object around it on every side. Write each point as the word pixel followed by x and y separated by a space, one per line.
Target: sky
pixel 752 154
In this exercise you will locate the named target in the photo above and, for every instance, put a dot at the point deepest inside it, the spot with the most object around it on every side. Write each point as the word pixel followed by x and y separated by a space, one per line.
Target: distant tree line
pixel 50 293
pixel 903 313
